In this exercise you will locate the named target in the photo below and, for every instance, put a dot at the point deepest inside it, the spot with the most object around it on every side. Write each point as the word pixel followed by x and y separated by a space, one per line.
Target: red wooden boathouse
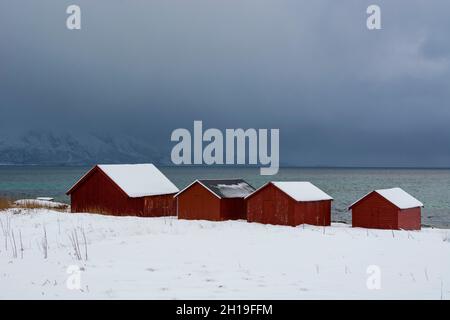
pixel 214 200
pixel 387 209
pixel 136 189
pixel 289 203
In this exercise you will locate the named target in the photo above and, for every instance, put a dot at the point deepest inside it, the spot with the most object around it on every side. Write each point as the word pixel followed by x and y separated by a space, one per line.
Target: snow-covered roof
pixel 397 196
pixel 224 188
pixel 137 180
pixel 300 190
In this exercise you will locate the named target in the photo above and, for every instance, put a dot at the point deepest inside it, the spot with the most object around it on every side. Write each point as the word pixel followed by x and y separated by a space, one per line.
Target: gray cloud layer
pixel 340 94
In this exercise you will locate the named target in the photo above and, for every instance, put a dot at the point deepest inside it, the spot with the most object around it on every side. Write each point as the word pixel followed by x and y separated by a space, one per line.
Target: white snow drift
pixel 166 258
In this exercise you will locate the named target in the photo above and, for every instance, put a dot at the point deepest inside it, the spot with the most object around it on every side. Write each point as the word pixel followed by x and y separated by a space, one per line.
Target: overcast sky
pixel 339 93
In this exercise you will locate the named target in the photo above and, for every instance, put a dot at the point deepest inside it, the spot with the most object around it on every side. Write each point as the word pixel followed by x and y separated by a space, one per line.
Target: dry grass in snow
pixel 5 203
pixel 166 258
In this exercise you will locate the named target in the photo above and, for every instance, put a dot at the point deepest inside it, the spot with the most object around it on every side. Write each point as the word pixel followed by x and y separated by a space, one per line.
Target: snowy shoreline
pixel 166 258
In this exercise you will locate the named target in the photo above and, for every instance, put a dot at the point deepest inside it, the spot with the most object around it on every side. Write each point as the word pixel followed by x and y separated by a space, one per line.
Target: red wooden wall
pixel 374 211
pixel 198 203
pixel 314 212
pixel 270 205
pixel 160 206
pixel 410 219
pixel 97 193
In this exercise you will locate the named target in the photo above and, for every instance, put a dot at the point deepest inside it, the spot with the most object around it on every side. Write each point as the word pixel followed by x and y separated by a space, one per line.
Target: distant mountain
pixel 64 148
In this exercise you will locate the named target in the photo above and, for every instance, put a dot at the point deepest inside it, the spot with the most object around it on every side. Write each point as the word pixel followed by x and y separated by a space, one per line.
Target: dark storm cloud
pixel 340 94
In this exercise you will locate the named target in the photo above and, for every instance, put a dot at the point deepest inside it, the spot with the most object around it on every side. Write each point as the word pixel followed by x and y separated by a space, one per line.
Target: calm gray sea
pixel 431 186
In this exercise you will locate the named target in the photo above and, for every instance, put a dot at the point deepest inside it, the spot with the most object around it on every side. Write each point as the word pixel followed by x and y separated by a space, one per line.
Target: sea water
pixel 345 185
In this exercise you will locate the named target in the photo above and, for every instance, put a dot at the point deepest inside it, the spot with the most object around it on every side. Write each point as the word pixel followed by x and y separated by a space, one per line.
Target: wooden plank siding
pixel 410 219
pixel 197 203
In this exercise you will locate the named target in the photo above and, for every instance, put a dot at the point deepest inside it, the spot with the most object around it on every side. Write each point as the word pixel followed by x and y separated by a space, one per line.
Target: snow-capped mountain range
pixel 66 148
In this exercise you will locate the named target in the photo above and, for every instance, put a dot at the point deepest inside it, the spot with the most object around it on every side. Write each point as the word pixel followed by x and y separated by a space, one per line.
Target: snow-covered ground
pixel 166 258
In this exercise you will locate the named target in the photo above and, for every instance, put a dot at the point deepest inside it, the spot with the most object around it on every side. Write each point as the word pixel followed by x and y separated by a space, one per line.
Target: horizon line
pixel 224 166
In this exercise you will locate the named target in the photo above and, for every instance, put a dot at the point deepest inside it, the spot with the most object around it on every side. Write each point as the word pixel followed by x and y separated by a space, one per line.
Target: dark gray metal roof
pixel 228 188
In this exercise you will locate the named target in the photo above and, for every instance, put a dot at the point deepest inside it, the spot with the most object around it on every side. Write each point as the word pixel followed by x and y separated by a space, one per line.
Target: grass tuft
pixel 5 203
pixel 35 205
